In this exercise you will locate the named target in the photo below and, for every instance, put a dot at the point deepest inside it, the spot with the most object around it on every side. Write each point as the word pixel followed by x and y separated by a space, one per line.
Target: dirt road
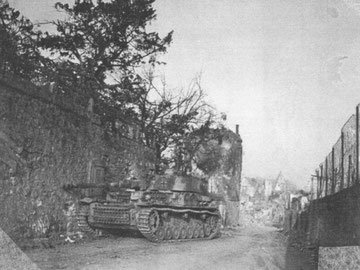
pixel 247 248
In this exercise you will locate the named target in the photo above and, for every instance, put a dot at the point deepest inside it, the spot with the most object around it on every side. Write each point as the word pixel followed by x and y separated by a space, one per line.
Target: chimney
pixel 237 129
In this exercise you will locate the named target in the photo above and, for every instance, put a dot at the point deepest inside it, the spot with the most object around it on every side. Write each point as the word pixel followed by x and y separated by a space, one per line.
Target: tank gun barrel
pixel 84 185
pixel 125 184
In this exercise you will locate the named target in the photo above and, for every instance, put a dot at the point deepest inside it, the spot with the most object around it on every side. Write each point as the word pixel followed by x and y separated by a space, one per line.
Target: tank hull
pixel 172 208
pixel 158 223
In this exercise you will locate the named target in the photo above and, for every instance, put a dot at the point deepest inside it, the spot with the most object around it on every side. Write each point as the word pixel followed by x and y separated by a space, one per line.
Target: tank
pixel 171 208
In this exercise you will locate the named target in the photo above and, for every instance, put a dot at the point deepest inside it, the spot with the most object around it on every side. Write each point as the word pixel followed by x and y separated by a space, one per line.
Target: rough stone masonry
pixel 47 141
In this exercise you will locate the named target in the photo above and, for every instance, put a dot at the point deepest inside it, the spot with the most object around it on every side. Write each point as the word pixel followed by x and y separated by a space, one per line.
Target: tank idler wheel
pixel 168 233
pixel 176 233
pixel 190 232
pixel 183 232
pixel 207 230
pixel 196 232
pixel 201 232
pixel 160 233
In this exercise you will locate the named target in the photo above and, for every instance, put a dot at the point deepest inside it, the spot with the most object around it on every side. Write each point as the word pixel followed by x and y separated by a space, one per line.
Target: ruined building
pixel 265 201
pixel 226 179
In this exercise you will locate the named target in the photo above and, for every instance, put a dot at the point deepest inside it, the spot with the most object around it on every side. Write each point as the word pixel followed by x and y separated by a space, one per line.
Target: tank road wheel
pixel 190 232
pixel 160 233
pixel 207 230
pixel 196 232
pixel 183 232
pixel 168 233
pixel 154 220
pixel 176 233
pixel 201 232
pixel 213 222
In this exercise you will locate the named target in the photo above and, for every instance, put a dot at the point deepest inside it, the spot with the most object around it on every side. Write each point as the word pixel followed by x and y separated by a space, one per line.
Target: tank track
pixel 82 219
pixel 169 225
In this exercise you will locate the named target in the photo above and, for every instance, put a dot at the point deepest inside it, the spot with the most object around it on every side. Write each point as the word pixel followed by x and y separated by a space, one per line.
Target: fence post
pixel 342 161
pixel 357 144
pixel 349 171
pixel 333 180
pixel 322 179
pixel 318 191
pixel 326 176
pixel 312 189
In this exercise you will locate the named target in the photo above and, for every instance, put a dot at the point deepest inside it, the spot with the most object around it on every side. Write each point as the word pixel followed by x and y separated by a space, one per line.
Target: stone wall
pixel 46 141
pixel 339 258
pixel 330 226
pixel 333 220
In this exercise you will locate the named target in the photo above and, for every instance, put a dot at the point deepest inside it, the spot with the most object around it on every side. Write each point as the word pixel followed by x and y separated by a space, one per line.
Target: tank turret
pixel 179 183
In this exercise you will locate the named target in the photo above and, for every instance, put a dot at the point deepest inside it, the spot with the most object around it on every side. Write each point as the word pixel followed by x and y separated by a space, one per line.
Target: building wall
pixel 47 141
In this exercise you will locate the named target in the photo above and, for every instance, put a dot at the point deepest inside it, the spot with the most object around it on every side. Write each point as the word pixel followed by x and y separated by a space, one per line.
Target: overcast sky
pixel 286 71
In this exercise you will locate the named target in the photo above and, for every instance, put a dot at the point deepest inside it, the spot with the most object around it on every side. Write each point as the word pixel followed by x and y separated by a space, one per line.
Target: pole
pixel 312 189
pixel 333 180
pixel 318 191
pixel 349 172
pixel 357 144
pixel 321 179
pixel 342 162
pixel 326 176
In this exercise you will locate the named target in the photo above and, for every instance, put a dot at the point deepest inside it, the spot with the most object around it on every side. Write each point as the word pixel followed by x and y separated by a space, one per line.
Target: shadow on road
pixel 300 258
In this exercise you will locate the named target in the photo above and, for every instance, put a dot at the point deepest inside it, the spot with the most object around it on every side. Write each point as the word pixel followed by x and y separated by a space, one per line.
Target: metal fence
pixel 340 169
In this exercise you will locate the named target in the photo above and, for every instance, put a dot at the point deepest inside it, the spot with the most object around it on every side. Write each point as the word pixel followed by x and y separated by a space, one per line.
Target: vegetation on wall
pixel 98 55
pixel 18 48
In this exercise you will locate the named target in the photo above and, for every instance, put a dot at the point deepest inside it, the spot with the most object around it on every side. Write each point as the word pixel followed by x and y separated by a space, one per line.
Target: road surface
pixel 243 248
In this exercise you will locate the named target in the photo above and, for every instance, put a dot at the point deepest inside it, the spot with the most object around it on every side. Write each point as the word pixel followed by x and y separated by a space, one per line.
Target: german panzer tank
pixel 172 208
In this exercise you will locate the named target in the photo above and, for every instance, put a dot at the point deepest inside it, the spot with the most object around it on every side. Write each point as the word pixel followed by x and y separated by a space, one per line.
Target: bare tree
pixel 169 118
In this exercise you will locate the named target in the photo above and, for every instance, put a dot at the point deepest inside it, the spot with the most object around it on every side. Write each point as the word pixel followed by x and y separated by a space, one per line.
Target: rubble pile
pixel 264 201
